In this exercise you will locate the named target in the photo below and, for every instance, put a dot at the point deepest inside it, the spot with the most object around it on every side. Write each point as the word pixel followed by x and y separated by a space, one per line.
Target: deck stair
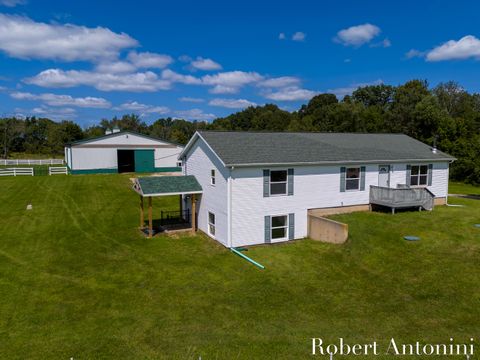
pixel 404 197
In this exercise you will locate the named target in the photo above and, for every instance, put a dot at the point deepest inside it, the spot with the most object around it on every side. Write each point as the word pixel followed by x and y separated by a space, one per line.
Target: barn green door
pixel 144 161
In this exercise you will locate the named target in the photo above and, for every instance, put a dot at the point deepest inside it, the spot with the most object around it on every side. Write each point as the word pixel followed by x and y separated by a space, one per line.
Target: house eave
pixel 346 162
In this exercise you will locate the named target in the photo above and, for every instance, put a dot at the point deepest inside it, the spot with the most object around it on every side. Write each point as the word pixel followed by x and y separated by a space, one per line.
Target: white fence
pixel 31 162
pixel 16 171
pixel 56 170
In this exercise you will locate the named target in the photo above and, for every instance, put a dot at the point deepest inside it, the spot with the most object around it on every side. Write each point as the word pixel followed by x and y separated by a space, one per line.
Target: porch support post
pixel 150 223
pixel 181 204
pixel 194 211
pixel 142 220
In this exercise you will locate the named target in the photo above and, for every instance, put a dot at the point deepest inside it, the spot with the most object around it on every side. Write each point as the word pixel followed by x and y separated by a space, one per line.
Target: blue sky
pixel 88 60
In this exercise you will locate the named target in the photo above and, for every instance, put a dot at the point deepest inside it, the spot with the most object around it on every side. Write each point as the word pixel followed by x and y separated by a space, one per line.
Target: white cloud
pixel 279 82
pixel 149 60
pixel 299 36
pixel 136 82
pixel 412 53
pixel 191 99
pixel 205 64
pixel 466 47
pixel 281 36
pixel 12 3
pixel 115 67
pixel 232 103
pixel 143 108
pixel 292 93
pixel 64 100
pixel 230 82
pixel 56 113
pixel 24 38
pixel 173 76
pixel 385 43
pixel 348 90
pixel 357 35
pixel 221 89
pixel 194 114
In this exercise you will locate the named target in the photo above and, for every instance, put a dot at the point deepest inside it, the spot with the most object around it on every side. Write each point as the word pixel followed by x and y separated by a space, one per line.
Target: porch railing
pixel 403 197
pixel 175 217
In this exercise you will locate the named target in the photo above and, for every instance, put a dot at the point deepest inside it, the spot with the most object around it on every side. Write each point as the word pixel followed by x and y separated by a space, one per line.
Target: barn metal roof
pixel 167 185
pixel 119 133
pixel 281 148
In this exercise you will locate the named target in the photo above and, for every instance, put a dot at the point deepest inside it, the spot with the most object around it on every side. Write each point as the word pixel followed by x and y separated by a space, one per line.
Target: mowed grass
pixel 78 280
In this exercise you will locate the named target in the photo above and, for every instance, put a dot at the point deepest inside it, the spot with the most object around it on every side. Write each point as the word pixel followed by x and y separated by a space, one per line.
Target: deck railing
pixel 403 197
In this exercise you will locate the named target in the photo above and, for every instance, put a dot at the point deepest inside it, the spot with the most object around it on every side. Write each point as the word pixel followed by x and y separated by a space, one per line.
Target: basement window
pixel 352 178
pixel 419 175
pixel 278 182
pixel 211 224
pixel 279 227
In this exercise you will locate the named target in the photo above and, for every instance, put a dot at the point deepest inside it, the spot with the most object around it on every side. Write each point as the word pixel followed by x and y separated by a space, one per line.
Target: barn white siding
pixel 94 158
pixel 200 160
pixel 314 187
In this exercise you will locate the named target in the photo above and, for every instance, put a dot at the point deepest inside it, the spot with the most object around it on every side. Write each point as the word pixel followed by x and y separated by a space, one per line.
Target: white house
pixel 258 187
pixel 122 151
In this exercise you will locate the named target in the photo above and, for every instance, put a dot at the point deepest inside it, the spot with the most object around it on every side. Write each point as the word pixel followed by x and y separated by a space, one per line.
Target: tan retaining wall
pixel 327 230
pixel 338 210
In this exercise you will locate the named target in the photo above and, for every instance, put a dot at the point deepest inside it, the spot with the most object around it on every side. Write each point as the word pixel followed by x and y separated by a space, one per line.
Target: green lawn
pixel 77 280
pixel 461 188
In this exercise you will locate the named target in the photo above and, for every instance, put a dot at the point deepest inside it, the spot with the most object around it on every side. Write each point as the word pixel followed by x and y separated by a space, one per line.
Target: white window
pixel 211 224
pixel 352 178
pixel 179 164
pixel 212 177
pixel 279 227
pixel 419 175
pixel 278 182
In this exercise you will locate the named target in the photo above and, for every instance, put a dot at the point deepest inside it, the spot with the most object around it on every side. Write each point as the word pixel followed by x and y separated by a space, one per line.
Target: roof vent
pixel 434 148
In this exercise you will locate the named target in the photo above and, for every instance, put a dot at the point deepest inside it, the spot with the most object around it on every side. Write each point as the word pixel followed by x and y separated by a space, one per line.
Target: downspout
pixel 229 208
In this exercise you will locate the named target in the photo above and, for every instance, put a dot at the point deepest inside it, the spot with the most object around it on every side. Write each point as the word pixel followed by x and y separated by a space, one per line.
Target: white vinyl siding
pixel 200 160
pixel 315 187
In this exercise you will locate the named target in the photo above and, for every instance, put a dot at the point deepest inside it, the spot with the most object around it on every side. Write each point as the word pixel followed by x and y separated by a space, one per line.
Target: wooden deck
pixel 420 198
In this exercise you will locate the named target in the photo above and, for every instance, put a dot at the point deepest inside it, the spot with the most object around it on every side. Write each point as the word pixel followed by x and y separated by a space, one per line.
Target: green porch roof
pixel 167 185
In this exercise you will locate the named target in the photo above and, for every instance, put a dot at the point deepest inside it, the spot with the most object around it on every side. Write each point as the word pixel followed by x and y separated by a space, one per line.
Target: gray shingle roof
pixel 267 148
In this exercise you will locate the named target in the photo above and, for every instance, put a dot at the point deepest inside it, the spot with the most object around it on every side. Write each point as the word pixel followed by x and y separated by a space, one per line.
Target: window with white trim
pixel 352 178
pixel 418 175
pixel 212 177
pixel 278 182
pixel 211 224
pixel 279 227
pixel 179 164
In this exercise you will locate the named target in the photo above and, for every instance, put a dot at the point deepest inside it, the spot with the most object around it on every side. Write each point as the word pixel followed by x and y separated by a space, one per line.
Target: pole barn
pixel 120 152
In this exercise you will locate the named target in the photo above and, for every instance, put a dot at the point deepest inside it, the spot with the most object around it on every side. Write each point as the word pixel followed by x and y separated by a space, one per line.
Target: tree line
pixel 446 115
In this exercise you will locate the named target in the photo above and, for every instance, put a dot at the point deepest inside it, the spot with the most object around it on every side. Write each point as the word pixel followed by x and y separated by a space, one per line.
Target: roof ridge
pixel 297 132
